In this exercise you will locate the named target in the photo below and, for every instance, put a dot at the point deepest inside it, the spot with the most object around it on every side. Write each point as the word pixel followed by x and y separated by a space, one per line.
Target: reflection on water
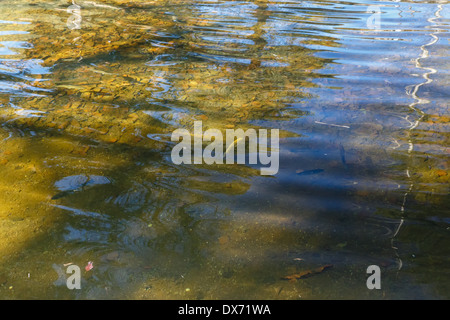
pixel 87 114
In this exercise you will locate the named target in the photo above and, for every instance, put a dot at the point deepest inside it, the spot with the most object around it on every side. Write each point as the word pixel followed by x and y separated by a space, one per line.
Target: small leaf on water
pixel 307 273
pixel 89 266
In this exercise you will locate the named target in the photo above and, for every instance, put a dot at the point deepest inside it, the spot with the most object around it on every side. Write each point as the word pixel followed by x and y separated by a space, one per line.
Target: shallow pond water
pixel 91 91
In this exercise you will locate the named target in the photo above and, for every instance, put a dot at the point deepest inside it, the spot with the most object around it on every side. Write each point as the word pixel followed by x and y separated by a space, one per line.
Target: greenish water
pixel 86 117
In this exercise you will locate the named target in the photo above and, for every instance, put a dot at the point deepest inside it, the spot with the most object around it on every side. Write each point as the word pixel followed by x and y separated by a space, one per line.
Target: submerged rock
pixel 71 184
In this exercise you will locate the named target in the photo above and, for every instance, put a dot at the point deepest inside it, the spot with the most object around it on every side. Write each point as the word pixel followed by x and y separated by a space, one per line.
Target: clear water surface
pixel 358 89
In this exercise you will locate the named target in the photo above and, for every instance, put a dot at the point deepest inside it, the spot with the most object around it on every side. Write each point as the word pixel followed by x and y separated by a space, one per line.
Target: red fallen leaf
pixel 89 266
